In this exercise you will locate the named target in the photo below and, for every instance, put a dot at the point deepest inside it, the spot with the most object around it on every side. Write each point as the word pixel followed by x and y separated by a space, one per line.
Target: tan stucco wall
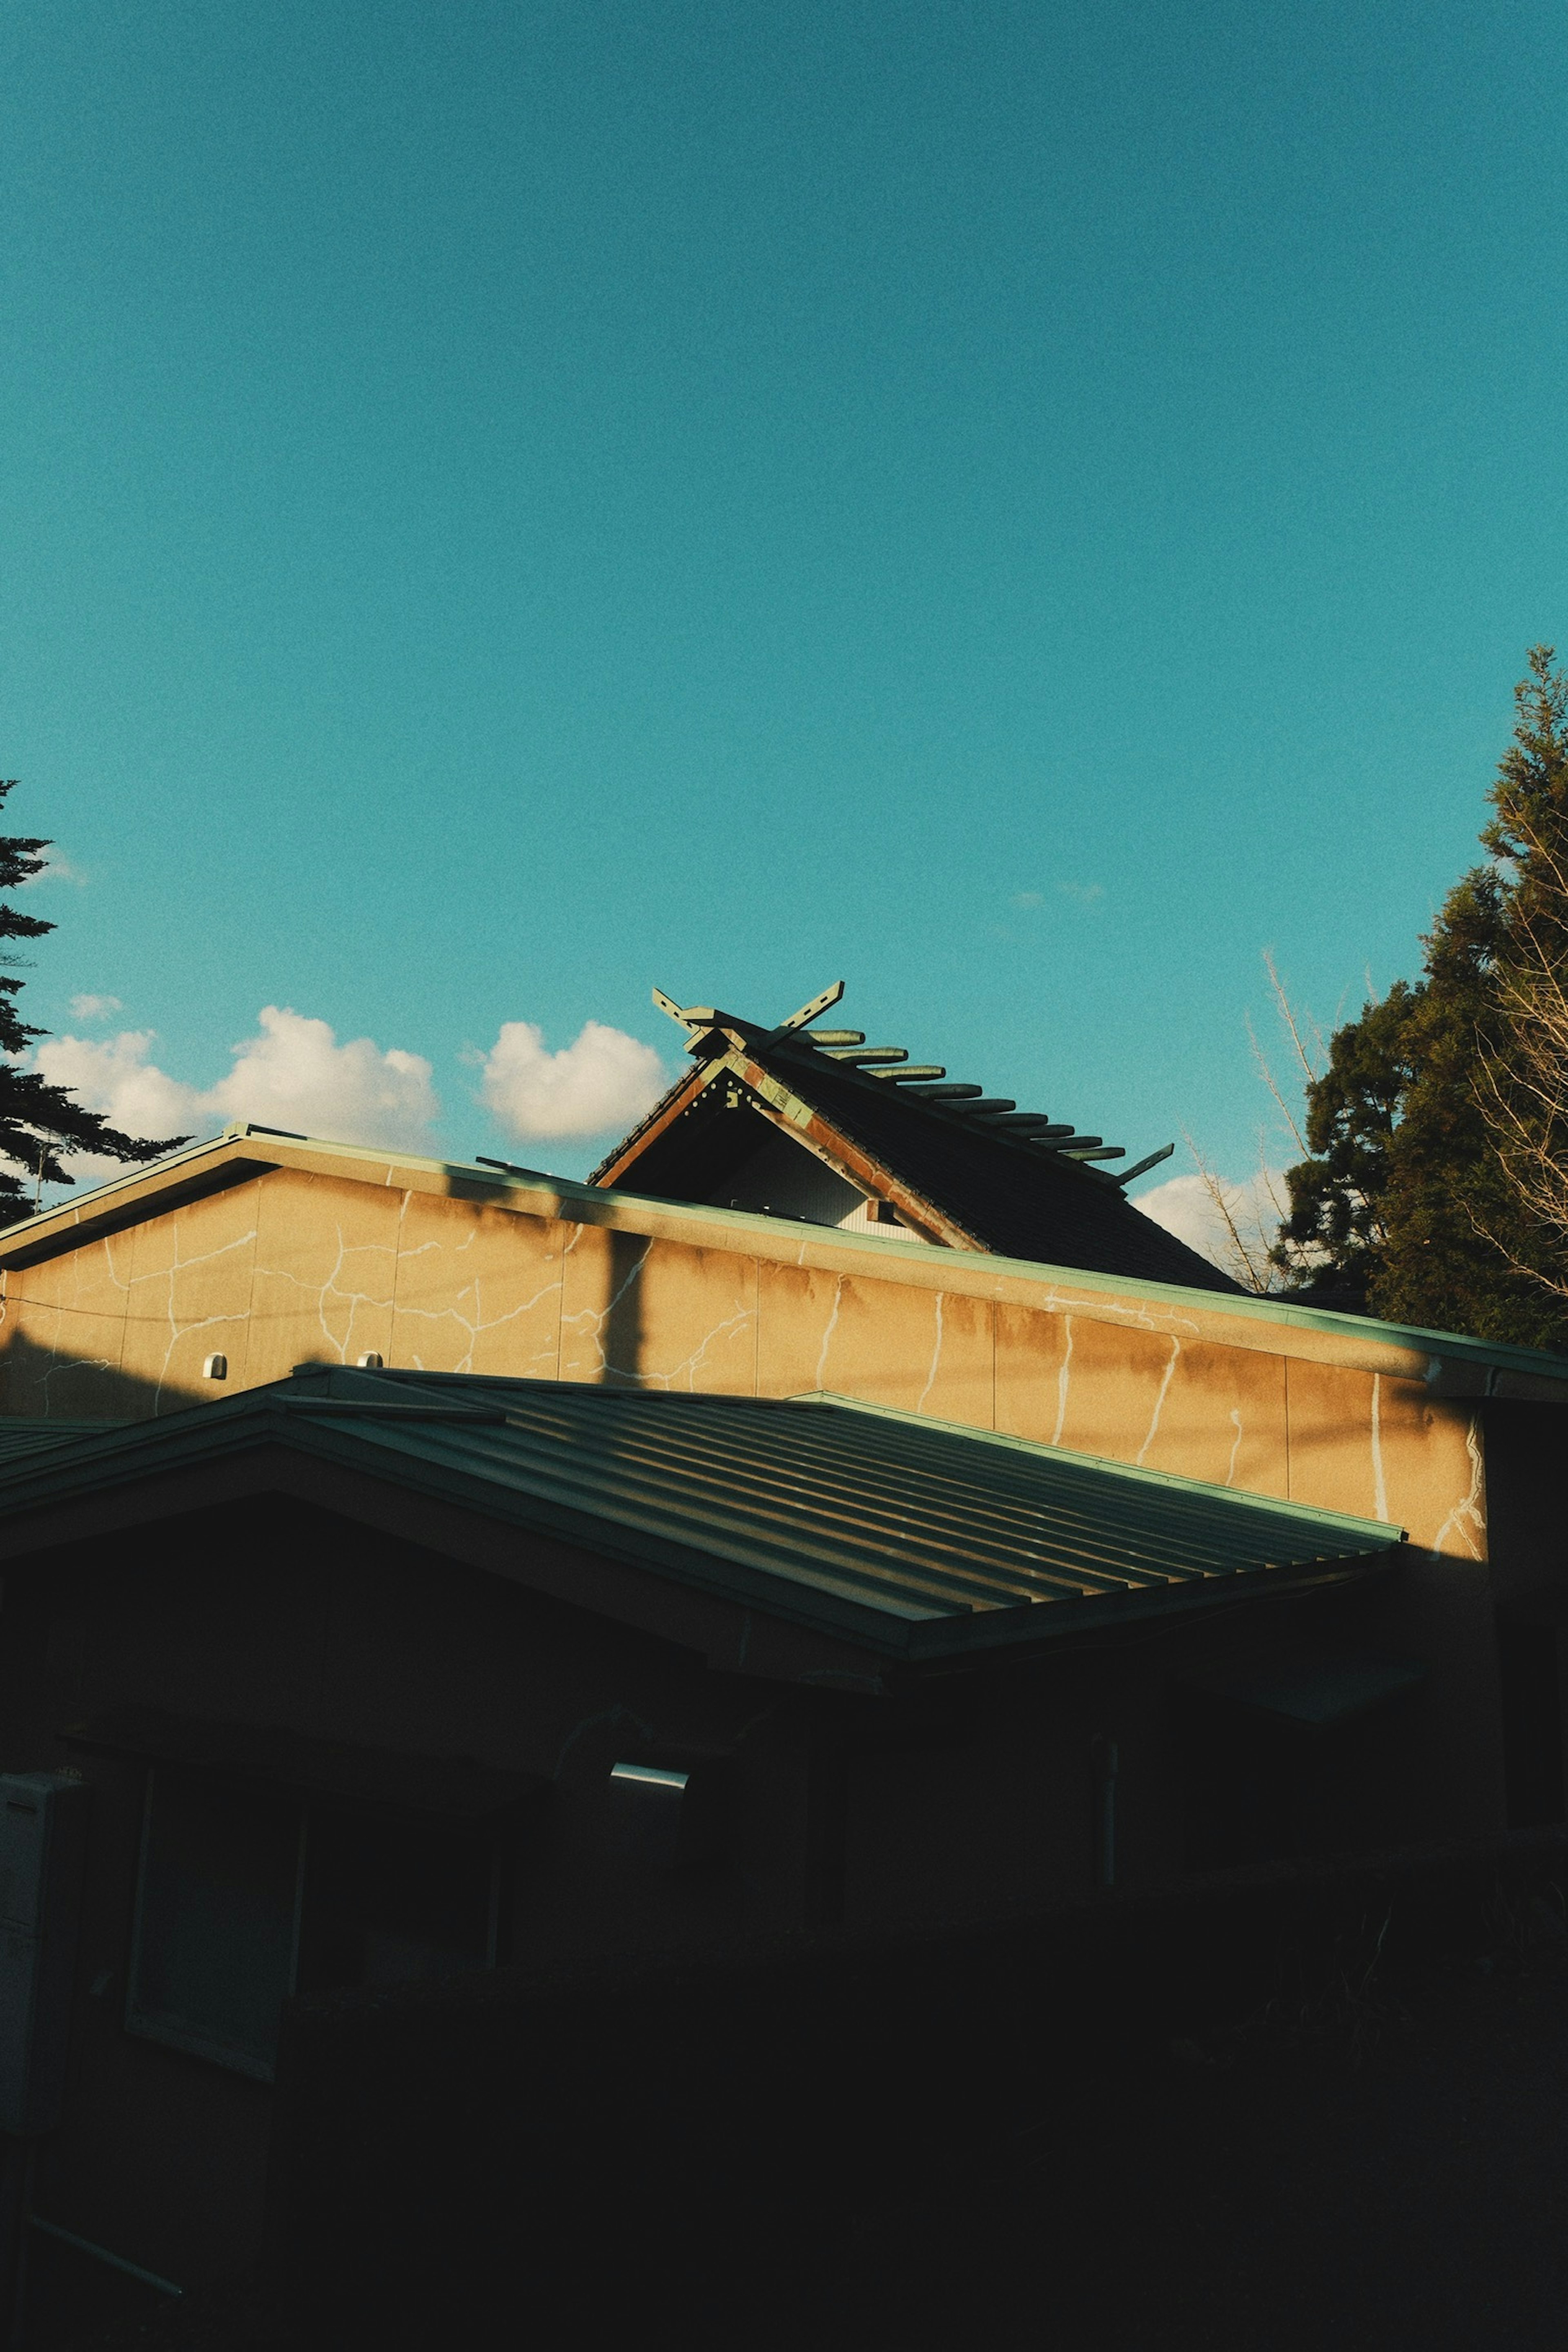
pixel 307 1261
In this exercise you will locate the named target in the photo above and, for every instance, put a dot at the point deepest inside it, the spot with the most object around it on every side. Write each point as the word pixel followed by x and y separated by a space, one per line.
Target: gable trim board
pixel 789 1115
pixel 901 1539
pixel 1448 1364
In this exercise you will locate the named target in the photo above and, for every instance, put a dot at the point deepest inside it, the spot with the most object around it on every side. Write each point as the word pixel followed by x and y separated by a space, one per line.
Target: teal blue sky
pixel 1020 508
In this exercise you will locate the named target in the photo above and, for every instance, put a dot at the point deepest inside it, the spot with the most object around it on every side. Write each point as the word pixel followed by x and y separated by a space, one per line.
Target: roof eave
pixel 265 1420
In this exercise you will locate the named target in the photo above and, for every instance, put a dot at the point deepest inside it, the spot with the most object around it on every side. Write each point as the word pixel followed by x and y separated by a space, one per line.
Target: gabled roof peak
pixel 898 1143
pixel 710 1030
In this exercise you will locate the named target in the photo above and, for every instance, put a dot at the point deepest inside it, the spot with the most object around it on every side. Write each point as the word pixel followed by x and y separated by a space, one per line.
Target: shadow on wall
pixel 52 1384
pixel 621 1331
pixel 46 1384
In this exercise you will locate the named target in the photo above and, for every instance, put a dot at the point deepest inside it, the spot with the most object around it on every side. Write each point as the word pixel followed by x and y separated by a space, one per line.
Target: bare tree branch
pixel 1243 1255
pixel 1522 1079
pixel 1264 1071
pixel 1293 1025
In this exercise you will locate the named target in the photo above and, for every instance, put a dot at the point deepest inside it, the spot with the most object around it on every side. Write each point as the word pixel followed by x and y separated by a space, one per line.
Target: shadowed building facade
pixel 624 1573
pixel 379 1675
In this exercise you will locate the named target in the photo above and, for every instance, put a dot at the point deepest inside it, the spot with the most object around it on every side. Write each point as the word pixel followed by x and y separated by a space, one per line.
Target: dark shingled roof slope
pixel 1015 1201
pixel 1006 1195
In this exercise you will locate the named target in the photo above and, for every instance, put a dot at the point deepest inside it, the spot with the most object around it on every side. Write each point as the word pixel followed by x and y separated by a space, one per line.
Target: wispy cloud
pixel 56 867
pixel 1029 902
pixel 88 1007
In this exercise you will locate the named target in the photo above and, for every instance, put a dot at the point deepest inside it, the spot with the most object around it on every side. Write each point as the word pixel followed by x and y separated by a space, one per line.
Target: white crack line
pixel 479 1326
pixel 1470 1507
pixel 827 1335
pixel 689 1367
pixel 1160 1400
pixel 1062 1384
pixel 169 1277
pixel 935 1358
pixel 73 1364
pixel 1107 1311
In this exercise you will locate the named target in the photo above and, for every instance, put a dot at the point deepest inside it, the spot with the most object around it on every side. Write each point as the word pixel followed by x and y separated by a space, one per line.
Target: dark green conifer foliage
pixel 1335 1228
pixel 40 1122
pixel 1407 1205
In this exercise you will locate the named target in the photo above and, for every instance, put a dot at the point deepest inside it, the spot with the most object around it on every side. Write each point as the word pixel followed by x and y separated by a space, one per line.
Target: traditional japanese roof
pixel 958 1167
pixel 898 1536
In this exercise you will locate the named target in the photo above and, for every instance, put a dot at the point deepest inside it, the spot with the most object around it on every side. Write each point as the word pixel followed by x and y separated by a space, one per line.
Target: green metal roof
pixel 24 1437
pixel 908 1536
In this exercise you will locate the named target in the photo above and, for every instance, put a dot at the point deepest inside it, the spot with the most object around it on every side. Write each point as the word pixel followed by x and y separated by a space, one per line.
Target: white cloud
pixel 603 1079
pixel 1185 1207
pixel 293 1073
pixel 1027 898
pixel 115 1077
pixel 56 867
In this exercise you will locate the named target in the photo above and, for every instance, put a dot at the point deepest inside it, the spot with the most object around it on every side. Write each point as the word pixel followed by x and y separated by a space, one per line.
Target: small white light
pixel 216 1368
pixel 370 1361
pixel 650 1775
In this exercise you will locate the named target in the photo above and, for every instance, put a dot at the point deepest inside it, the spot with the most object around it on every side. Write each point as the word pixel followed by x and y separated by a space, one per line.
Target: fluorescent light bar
pixel 650 1775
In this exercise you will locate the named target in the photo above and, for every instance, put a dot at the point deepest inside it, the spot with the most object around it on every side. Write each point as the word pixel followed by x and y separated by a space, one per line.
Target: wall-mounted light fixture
pixel 215 1368
pixel 650 1777
pixel 673 1816
pixel 649 1810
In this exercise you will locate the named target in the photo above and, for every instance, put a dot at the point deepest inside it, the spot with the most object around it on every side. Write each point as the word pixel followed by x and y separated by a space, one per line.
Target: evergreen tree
pixel 1334 1234
pixel 39 1122
pixel 1424 1125
pixel 1523 1077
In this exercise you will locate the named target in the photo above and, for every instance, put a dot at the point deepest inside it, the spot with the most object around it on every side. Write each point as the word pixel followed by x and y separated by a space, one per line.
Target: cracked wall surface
pixel 297 1265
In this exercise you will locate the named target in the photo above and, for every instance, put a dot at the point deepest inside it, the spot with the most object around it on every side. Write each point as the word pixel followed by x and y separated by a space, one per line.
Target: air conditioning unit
pixel 43 1849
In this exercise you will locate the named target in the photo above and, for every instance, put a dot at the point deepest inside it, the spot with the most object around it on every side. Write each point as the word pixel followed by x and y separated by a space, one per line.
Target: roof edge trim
pixel 1450 1363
